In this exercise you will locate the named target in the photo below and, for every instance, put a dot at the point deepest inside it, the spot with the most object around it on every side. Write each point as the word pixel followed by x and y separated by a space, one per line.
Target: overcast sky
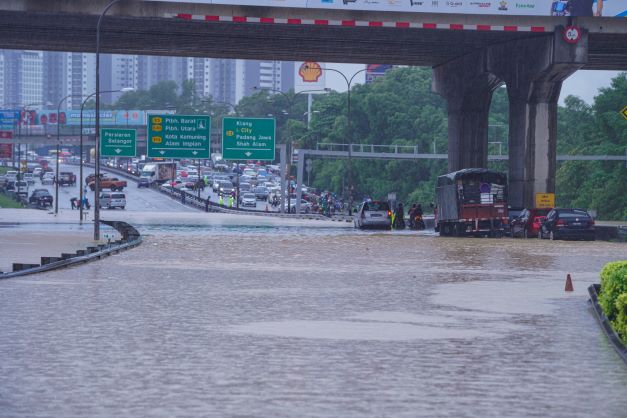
pixel 584 84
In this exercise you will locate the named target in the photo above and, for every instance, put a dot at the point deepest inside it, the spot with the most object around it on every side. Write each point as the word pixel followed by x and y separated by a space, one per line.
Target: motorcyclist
pixel 411 213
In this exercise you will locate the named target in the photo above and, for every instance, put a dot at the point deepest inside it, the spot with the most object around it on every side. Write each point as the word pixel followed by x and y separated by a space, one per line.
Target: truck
pixel 472 201
pixel 108 183
pixel 158 171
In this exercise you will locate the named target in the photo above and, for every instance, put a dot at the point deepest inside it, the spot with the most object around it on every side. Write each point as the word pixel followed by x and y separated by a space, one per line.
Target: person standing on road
pixel 231 199
pixel 221 201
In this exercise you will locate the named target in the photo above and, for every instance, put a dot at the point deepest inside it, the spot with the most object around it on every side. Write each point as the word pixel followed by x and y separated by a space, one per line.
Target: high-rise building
pixel 223 80
pixel 153 70
pixel 69 74
pixel 23 77
pixel 118 72
pixel 199 71
pixel 272 75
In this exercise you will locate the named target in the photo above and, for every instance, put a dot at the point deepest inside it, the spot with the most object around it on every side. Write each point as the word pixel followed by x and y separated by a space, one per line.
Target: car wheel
pixel 122 207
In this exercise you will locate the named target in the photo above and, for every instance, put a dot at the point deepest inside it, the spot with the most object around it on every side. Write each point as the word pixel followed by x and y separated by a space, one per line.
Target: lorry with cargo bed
pixel 158 172
pixel 472 201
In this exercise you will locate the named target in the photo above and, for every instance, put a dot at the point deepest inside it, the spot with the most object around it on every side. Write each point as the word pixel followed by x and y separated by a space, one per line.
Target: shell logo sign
pixel 310 71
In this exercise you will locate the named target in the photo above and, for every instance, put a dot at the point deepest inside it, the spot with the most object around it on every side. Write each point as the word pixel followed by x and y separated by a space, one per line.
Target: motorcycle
pixel 398 223
pixel 417 223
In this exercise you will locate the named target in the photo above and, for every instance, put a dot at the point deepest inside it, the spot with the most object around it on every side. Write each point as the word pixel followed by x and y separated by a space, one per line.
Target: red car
pixel 529 222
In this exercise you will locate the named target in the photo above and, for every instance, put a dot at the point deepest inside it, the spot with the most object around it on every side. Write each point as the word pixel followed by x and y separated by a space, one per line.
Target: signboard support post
pixel 299 178
pixel 282 156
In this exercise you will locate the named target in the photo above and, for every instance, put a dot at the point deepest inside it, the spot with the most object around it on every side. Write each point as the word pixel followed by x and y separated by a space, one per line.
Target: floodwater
pixel 286 322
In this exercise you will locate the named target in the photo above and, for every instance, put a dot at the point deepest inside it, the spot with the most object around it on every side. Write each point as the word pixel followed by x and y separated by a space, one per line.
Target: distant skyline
pixel 584 84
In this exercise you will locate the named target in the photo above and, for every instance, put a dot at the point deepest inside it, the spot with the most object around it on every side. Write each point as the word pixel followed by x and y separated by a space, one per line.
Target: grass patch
pixel 7 202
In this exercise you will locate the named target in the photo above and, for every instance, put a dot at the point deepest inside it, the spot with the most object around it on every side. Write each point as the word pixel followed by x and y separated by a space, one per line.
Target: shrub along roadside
pixel 613 297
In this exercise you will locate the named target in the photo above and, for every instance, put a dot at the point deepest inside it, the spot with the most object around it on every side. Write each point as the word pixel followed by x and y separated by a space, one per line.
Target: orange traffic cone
pixel 569 284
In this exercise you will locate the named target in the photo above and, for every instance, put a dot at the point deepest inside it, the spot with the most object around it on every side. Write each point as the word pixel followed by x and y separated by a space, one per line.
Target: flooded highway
pixel 331 322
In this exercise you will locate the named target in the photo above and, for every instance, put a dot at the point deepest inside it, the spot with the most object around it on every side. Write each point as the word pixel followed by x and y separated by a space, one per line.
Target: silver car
pixel 112 200
pixel 374 214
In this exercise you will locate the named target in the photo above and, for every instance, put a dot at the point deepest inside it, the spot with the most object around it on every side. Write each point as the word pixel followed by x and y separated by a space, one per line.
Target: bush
pixel 613 297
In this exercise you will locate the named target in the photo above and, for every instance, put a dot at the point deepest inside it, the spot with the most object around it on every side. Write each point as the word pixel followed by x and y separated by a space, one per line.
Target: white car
pixel 48 178
pixel 305 206
pixel 249 199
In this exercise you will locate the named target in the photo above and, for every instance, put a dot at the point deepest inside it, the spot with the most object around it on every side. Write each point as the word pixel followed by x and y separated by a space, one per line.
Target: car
pixel 527 224
pixel 29 178
pixel 21 187
pixel 47 178
pixel 11 175
pixel 215 186
pixel 245 187
pixel 513 213
pixel 143 182
pixel 261 193
pixel 112 200
pixel 41 197
pixel 249 199
pixel 305 206
pixel 373 214
pixel 226 187
pixel 563 223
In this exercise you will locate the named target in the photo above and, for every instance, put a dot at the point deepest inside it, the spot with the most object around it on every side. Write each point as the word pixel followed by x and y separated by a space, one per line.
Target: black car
pixel 564 223
pixel 513 213
pixel 41 197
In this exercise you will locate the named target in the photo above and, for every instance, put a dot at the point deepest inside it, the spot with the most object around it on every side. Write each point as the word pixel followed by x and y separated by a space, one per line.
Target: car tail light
pixel 591 222
pixel 389 213
pixel 560 223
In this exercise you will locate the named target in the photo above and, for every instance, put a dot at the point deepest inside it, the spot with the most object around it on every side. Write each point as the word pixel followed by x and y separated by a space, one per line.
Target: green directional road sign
pixel 178 136
pixel 248 139
pixel 118 142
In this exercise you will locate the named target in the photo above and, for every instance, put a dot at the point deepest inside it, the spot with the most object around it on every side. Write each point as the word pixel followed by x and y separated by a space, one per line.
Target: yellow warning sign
pixel 624 112
pixel 545 200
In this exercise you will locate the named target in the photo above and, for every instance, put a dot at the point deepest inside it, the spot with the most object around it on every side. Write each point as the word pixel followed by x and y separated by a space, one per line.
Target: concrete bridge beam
pixel 534 70
pixel 467 88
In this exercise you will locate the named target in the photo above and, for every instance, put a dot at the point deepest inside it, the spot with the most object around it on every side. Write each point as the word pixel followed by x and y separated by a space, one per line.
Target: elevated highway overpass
pixel 220 31
pixel 471 55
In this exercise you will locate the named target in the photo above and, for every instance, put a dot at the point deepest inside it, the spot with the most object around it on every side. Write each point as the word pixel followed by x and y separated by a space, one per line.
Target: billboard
pixel 45 117
pixel 309 75
pixel 617 8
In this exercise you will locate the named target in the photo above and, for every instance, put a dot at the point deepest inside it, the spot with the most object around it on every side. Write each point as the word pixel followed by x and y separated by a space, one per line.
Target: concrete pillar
pixel 467 88
pixel 533 70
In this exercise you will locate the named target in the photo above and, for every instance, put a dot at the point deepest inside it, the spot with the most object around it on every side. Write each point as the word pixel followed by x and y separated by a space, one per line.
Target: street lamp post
pixel 290 102
pixel 97 151
pixel 56 178
pixel 125 89
pixel 350 132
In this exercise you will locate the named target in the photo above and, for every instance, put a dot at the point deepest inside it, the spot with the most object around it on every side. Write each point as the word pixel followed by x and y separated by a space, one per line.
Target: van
pixel 112 200
pixel 21 187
